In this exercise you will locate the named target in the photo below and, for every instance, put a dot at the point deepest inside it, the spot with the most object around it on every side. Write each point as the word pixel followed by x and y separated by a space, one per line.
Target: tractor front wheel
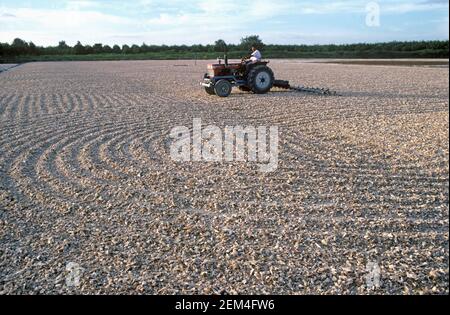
pixel 210 90
pixel 223 88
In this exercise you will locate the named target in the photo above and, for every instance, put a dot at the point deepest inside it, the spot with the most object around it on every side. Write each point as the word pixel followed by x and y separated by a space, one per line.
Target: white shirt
pixel 257 55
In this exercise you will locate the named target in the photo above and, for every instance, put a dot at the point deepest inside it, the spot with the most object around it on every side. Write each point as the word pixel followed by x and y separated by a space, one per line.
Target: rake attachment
pixel 282 84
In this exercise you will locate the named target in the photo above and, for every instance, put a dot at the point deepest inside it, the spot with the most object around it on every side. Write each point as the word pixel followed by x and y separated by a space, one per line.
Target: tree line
pixel 431 49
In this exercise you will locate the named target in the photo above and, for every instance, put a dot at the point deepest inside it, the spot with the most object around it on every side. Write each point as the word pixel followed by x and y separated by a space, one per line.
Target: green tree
pixel 97 48
pixel 135 49
pixel 33 50
pixel 88 50
pixel 144 48
pixel 107 49
pixel 198 48
pixel 62 45
pixel 19 47
pixel 78 49
pixel 6 49
pixel 116 49
pixel 126 49
pixel 19 43
pixel 63 48
pixel 252 41
pixel 220 46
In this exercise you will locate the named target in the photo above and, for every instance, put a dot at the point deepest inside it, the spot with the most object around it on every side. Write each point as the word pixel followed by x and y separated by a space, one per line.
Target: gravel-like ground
pixel 86 178
pixel 6 66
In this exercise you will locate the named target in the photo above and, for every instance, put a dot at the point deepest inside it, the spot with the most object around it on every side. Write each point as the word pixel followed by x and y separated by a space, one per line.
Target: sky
pixel 46 22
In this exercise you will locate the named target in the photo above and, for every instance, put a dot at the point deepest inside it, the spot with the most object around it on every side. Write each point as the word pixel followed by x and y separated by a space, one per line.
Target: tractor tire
pixel 260 79
pixel 210 90
pixel 223 88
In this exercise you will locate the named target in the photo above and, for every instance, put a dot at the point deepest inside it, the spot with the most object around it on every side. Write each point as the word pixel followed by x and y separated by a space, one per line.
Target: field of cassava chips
pixel 91 201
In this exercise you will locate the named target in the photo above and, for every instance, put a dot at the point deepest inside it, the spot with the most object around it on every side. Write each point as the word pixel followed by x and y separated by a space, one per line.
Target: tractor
pixel 250 77
pixel 256 77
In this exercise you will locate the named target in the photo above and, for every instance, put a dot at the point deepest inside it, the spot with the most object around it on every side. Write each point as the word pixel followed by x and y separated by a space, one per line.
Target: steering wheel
pixel 245 58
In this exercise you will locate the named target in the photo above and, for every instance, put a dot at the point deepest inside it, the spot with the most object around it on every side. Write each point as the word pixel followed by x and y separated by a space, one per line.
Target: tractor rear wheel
pixel 210 90
pixel 223 88
pixel 260 79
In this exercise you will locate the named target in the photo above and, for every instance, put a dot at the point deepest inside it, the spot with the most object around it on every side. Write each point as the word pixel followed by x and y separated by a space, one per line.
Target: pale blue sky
pixel 45 22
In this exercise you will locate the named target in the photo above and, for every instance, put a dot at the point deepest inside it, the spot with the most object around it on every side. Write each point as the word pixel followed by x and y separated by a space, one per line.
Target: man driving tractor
pixel 255 56
pixel 251 74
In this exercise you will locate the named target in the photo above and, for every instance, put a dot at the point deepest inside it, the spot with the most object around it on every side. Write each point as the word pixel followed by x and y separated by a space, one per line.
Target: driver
pixel 256 55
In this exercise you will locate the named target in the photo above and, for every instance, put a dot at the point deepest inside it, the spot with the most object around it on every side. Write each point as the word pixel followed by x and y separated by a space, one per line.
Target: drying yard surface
pixel 358 204
pixel 6 66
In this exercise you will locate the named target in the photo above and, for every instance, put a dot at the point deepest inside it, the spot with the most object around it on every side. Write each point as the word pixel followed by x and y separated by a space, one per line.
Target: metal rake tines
pixel 314 90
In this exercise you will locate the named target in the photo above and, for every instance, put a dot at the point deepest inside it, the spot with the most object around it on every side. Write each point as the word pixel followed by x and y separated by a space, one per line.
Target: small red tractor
pixel 250 77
